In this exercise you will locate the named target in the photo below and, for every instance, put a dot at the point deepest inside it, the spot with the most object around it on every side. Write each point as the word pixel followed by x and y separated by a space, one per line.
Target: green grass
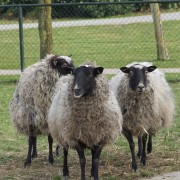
pixel 115 159
pixel 110 46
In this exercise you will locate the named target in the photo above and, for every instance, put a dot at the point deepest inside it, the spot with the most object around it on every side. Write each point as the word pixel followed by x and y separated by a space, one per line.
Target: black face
pixel 138 76
pixel 63 66
pixel 84 80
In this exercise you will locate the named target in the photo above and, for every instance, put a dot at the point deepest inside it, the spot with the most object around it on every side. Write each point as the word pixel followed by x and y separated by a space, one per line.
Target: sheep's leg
pixel 92 168
pixel 57 150
pixel 139 146
pixel 149 145
pixel 50 141
pixel 65 163
pixel 95 161
pixel 82 160
pixel 34 153
pixel 143 157
pixel 129 137
pixel 30 146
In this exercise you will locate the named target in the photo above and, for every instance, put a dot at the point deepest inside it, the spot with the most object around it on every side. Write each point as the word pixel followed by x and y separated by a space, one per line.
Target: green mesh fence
pixel 113 35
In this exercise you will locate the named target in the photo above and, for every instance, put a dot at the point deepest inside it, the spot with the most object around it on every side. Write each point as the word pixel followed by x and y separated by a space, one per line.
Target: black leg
pixel 34 153
pixel 50 141
pixel 57 150
pixel 65 163
pixel 143 157
pixel 129 137
pixel 30 146
pixel 139 146
pixel 149 145
pixel 92 167
pixel 96 151
pixel 82 160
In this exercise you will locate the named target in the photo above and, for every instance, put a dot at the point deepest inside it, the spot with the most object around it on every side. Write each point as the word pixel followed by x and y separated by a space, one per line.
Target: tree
pixel 162 52
pixel 45 28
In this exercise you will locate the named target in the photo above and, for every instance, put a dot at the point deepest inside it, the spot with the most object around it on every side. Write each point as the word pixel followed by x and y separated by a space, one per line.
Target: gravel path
pixel 106 71
pixel 168 176
pixel 95 22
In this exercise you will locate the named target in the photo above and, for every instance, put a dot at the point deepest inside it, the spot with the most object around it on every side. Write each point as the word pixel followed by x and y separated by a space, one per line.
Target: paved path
pixel 95 22
pixel 168 176
pixel 106 71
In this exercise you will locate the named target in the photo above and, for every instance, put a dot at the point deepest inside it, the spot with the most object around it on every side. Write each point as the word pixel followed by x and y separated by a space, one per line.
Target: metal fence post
pixel 21 40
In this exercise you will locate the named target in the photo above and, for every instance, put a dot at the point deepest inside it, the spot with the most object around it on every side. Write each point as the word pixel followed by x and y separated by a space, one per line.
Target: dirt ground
pixel 114 165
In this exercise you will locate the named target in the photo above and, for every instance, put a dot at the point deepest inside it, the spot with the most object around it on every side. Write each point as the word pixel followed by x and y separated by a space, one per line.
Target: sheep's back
pixel 32 98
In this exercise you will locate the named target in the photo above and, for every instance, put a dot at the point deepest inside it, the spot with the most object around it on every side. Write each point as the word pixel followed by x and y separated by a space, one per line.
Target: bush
pixel 83 11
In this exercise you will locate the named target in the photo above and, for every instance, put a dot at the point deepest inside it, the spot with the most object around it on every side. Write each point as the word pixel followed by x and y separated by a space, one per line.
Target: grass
pixel 110 46
pixel 115 159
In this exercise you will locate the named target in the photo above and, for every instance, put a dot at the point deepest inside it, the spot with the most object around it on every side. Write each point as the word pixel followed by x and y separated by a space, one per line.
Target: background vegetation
pixel 88 11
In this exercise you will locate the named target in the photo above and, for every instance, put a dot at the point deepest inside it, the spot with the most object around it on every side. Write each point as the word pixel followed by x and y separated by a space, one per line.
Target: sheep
pixel 84 114
pixel 146 102
pixel 31 100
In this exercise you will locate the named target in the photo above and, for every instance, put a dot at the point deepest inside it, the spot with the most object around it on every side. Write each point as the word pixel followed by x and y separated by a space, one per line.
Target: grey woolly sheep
pixel 146 101
pixel 32 98
pixel 84 114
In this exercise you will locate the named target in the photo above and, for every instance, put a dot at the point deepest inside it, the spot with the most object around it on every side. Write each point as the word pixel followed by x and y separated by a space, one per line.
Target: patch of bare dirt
pixel 114 164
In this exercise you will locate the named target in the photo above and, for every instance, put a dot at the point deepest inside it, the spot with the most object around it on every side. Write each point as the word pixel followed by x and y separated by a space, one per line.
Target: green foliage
pixel 12 12
pixel 84 11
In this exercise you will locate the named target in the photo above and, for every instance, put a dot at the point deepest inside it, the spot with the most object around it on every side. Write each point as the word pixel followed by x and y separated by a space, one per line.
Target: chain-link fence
pixel 102 32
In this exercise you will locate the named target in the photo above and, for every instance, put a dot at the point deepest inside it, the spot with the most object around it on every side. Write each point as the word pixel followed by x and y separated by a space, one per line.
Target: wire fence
pixel 88 31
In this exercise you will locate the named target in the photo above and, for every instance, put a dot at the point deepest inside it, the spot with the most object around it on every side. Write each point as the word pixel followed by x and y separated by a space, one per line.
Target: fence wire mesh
pixel 90 32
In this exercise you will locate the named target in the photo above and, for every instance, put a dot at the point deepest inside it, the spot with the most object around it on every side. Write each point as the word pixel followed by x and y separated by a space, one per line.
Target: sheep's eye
pixel 64 65
pixel 146 72
pixel 55 62
pixel 131 73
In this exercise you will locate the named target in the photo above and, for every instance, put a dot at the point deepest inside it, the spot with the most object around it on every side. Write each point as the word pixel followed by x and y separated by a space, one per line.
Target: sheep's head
pixel 84 79
pixel 137 74
pixel 62 64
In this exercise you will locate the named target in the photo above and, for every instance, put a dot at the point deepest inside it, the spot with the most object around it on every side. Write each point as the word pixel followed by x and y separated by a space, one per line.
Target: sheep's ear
pixel 54 62
pixel 98 70
pixel 124 69
pixel 151 68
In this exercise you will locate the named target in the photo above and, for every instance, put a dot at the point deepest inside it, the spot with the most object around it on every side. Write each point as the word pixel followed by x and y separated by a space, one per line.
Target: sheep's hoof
pixel 57 150
pixel 143 161
pixel 27 162
pixel 66 177
pixel 57 153
pixel 134 166
pixel 51 160
pixel 139 155
pixel 34 155
pixel 149 149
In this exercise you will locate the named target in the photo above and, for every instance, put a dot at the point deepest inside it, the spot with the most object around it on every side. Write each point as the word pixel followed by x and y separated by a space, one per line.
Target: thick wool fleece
pixel 147 112
pixel 32 98
pixel 91 120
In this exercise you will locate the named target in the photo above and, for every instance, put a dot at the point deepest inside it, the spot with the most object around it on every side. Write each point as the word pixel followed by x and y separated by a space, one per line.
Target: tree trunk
pixel 45 28
pixel 162 52
pixel 48 27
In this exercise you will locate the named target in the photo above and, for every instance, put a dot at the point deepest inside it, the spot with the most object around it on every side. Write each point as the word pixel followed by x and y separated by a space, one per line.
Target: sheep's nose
pixel 77 92
pixel 140 87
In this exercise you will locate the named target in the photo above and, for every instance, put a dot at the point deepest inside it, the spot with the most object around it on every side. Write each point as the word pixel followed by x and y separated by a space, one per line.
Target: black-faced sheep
pixel 84 114
pixel 146 103
pixel 32 99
